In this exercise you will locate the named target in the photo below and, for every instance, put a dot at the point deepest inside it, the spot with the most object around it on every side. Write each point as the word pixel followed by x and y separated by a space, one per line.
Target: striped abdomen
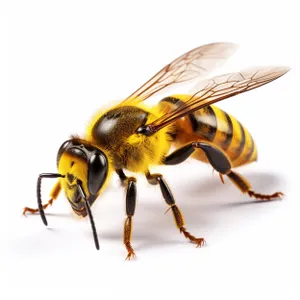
pixel 217 127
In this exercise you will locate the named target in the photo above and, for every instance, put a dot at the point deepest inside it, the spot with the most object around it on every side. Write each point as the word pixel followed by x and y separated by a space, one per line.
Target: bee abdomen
pixel 216 126
pixel 234 138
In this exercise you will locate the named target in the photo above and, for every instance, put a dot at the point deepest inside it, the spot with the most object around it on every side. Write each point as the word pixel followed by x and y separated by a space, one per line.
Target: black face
pixel 97 166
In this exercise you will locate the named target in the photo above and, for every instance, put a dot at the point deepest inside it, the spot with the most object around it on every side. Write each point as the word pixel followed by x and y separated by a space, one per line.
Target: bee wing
pixel 219 88
pixel 193 64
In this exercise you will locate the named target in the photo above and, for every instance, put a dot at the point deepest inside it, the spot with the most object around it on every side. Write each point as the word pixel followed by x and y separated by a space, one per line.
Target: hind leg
pixel 245 187
pixel 221 164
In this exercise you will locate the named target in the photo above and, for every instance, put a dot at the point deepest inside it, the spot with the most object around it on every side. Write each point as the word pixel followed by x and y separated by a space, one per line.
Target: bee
pixel 134 136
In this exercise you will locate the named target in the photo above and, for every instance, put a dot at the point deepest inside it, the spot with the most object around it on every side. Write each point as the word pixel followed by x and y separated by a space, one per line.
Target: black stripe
pixel 179 102
pixel 205 129
pixel 240 149
pixel 229 133
pixel 194 122
pixel 248 156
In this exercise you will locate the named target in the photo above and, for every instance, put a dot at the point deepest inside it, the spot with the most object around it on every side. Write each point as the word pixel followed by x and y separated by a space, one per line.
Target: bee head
pixel 84 164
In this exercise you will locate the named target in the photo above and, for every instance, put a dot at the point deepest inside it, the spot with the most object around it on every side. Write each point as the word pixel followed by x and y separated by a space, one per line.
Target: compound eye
pixel 97 172
pixel 61 150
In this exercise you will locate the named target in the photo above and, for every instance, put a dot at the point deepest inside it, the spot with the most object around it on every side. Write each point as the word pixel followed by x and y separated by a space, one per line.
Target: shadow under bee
pixel 206 204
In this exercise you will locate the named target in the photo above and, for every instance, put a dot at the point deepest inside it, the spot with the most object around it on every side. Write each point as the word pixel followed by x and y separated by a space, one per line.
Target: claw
pixel 35 210
pixel 280 195
pixel 200 242
pixel 130 255
pixel 28 209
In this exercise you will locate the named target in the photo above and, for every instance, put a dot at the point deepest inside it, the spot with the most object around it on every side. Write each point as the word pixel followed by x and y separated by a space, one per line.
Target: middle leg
pixel 130 183
pixel 178 217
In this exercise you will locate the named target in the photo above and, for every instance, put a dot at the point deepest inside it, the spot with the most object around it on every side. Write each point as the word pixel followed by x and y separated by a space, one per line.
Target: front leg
pixel 130 209
pixel 178 217
pixel 53 196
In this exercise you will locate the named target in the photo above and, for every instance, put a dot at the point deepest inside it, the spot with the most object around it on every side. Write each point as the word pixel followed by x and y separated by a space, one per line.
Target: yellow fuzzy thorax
pixel 148 150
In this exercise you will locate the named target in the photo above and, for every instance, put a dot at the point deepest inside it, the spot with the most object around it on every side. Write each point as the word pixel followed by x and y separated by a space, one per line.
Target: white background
pixel 60 62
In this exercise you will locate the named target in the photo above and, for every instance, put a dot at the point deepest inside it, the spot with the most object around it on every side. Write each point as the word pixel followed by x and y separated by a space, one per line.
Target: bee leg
pixel 130 208
pixel 245 187
pixel 122 177
pixel 221 163
pixel 178 217
pixel 53 196
pixel 180 155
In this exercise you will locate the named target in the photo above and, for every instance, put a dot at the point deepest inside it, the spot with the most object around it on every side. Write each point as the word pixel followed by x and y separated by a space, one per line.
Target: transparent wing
pixel 219 88
pixel 193 64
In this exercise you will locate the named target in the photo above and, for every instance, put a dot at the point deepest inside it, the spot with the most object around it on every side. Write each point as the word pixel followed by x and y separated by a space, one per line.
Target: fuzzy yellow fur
pixel 150 149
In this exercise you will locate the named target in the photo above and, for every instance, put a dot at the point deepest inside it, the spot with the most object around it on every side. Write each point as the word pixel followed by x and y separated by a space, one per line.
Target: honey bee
pixel 134 136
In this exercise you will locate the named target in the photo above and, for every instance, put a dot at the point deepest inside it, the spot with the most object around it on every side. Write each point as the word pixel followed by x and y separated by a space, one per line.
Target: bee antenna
pixel 38 191
pixel 88 208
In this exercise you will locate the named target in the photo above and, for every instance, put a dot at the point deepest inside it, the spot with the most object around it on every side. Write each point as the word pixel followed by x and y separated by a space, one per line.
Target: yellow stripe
pixel 222 126
pixel 242 159
pixel 254 155
pixel 249 151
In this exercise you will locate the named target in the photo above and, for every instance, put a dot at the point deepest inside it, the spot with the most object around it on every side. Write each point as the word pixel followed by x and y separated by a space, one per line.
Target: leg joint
pixel 165 190
pixel 153 179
